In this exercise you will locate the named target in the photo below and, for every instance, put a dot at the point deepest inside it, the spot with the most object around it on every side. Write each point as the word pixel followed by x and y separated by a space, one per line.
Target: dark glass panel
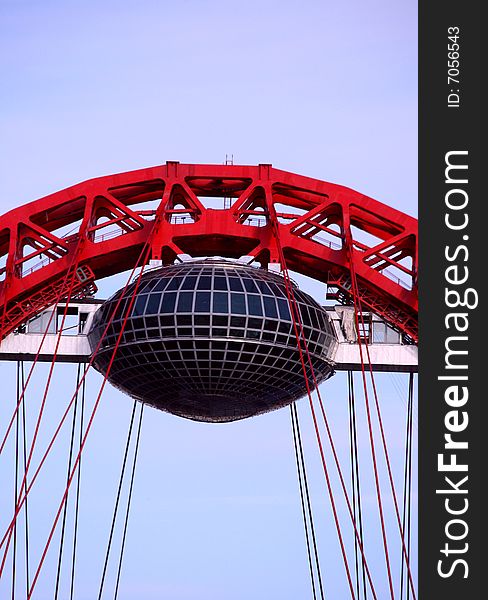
pixel 238 322
pixel 168 303
pixel 220 302
pixel 284 309
pixel 202 320
pixel 120 310
pixel 276 289
pixel 184 319
pixel 270 325
pixel 235 284
pixel 263 287
pixel 161 284
pixel 304 315
pixel 204 331
pixel 220 283
pixel 254 302
pixel 270 307
pixel 255 323
pixel 202 302
pixel 285 327
pixel 185 302
pixel 250 285
pixel 153 304
pixel 138 308
pixel 152 322
pixel 175 282
pixel 238 304
pixel 218 320
pixel 204 283
pixel 189 282
pixel 166 320
pixel 219 331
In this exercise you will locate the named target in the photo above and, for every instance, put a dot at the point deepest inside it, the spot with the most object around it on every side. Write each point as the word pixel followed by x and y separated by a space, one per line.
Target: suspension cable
pixel 296 319
pixel 326 472
pixel 70 457
pixel 26 510
pixel 16 482
pixel 355 482
pixel 391 481
pixel 126 521
pixel 119 490
pixel 352 457
pixel 77 500
pixel 307 495
pixel 407 484
pixel 304 516
pixel 21 397
pixel 409 504
pixel 330 438
pixel 297 323
pixel 41 411
pixel 358 313
pixel 71 270
pixel 144 255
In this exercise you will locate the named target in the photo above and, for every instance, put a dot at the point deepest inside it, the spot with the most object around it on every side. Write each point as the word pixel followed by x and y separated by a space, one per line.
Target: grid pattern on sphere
pixel 212 340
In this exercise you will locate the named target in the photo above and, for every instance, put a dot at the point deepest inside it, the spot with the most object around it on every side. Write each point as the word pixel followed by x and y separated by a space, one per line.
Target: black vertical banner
pixel 453 430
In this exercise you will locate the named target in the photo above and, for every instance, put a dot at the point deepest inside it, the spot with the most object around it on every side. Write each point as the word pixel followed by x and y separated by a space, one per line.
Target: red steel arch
pixel 99 227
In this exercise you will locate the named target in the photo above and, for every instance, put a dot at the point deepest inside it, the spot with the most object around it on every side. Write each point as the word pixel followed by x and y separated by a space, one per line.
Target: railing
pixel 389 274
pixel 182 220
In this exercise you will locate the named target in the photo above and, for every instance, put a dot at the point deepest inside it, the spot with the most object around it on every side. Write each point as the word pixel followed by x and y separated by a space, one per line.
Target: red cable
pixel 370 426
pixel 143 255
pixel 90 422
pixel 293 309
pixel 36 358
pixel 292 299
pixel 329 487
pixel 386 452
pixel 63 418
pixel 41 412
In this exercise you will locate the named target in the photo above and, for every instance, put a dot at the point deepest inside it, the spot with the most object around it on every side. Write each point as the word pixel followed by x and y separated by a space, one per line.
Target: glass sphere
pixel 211 340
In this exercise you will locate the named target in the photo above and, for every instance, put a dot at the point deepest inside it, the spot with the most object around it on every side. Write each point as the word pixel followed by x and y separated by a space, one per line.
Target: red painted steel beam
pixel 106 221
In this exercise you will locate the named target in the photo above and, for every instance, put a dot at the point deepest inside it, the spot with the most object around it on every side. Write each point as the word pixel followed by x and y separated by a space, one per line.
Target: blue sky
pixel 322 88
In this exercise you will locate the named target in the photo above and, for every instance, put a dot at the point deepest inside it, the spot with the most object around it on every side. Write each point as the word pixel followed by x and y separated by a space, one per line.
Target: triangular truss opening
pixel 183 206
pixel 111 218
pixel 323 225
pixel 252 209
pixel 36 248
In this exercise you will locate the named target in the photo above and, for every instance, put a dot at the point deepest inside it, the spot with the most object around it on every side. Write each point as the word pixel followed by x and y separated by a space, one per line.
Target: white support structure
pixel 384 357
pixel 386 350
pixel 73 342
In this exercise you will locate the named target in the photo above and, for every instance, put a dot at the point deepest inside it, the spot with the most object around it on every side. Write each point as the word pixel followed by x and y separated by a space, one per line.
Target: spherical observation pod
pixel 211 340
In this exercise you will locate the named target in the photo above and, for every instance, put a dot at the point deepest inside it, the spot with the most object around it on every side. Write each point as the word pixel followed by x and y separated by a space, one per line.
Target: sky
pixel 321 88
